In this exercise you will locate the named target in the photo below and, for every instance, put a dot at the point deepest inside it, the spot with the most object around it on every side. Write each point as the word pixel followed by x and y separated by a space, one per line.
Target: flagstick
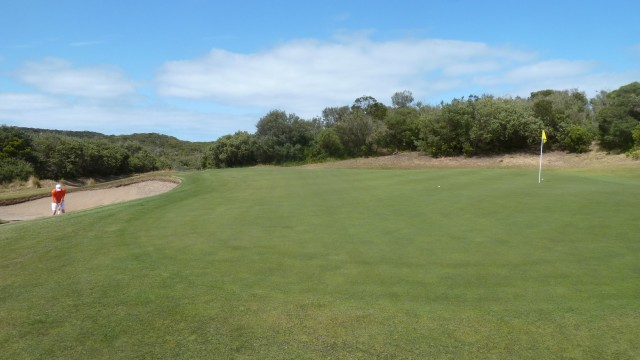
pixel 540 171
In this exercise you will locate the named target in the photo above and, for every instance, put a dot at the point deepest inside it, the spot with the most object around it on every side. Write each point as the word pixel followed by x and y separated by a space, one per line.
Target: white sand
pixel 80 200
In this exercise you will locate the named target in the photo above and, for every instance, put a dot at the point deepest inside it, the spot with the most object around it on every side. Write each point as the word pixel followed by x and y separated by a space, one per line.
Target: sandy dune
pixel 80 200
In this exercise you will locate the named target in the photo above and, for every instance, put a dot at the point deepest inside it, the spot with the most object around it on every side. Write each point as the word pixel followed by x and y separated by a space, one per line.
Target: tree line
pixel 477 125
pixel 471 126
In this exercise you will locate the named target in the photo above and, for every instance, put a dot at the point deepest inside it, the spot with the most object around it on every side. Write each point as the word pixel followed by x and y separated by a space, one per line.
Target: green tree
pixel 359 133
pixel 16 155
pixel 59 156
pixel 479 125
pixel 103 158
pixel 15 144
pixel 561 112
pixel 446 131
pixel 577 139
pixel 327 144
pixel 618 116
pixel 403 128
pixel 502 125
pixel 635 152
pixel 231 151
pixel 370 106
pixel 276 125
pixel 282 137
pixel 143 161
pixel 333 115
pixel 168 151
pixel 402 99
pixel 636 136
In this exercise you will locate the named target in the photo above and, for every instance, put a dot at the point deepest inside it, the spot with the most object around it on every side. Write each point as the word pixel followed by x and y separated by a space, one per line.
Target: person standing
pixel 57 199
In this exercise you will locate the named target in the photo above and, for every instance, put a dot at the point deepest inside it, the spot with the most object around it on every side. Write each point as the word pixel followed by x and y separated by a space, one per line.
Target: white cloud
pixel 17 102
pixel 305 76
pixel 57 76
pixel 551 69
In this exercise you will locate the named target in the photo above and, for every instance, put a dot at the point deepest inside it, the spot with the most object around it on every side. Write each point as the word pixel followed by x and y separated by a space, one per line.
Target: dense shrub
pixel 479 126
pixel 15 169
pixel 231 151
pixel 327 145
pixel 618 115
pixel 635 152
pixel 576 139
pixel 403 130
pixel 15 143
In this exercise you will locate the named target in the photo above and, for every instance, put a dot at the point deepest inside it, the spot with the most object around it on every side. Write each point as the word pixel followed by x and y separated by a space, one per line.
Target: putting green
pixel 335 263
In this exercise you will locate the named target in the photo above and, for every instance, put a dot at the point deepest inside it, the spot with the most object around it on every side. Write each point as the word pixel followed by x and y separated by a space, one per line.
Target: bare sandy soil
pixel 80 200
pixel 414 160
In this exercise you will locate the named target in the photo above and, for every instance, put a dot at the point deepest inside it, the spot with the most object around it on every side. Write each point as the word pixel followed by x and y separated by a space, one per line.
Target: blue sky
pixel 198 70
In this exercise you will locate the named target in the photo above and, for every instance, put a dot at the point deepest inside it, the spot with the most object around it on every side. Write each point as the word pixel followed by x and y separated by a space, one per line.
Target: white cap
pixel 58 187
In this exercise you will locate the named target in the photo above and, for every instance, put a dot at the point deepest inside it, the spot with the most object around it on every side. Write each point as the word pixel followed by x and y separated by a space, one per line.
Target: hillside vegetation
pixel 54 154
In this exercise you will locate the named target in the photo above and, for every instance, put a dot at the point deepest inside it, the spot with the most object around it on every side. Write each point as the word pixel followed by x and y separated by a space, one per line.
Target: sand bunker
pixel 80 200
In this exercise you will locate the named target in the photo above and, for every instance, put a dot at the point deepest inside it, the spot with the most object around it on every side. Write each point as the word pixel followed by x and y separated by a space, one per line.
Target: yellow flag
pixel 544 137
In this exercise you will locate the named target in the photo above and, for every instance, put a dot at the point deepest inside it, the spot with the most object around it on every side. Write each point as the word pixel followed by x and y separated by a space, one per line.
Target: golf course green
pixel 292 263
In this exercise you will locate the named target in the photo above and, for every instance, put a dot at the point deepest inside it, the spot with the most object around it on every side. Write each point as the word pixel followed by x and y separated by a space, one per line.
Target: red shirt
pixel 57 196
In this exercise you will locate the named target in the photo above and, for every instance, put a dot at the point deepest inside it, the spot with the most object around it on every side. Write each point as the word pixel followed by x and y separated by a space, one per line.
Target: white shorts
pixel 53 206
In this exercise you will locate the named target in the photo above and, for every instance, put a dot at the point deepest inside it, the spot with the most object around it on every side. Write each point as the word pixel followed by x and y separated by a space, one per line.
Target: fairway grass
pixel 291 263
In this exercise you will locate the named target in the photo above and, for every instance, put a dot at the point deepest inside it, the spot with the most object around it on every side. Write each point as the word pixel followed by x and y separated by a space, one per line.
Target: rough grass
pixel 334 263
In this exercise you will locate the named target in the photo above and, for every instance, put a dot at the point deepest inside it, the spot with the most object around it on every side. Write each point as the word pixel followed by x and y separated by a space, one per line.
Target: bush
pixel 14 169
pixel 635 134
pixel 576 139
pixel 232 151
pixel 635 152
pixel 328 145
pixel 143 161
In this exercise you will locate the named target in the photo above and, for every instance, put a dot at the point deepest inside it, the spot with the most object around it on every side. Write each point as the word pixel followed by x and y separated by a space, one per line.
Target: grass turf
pixel 297 263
